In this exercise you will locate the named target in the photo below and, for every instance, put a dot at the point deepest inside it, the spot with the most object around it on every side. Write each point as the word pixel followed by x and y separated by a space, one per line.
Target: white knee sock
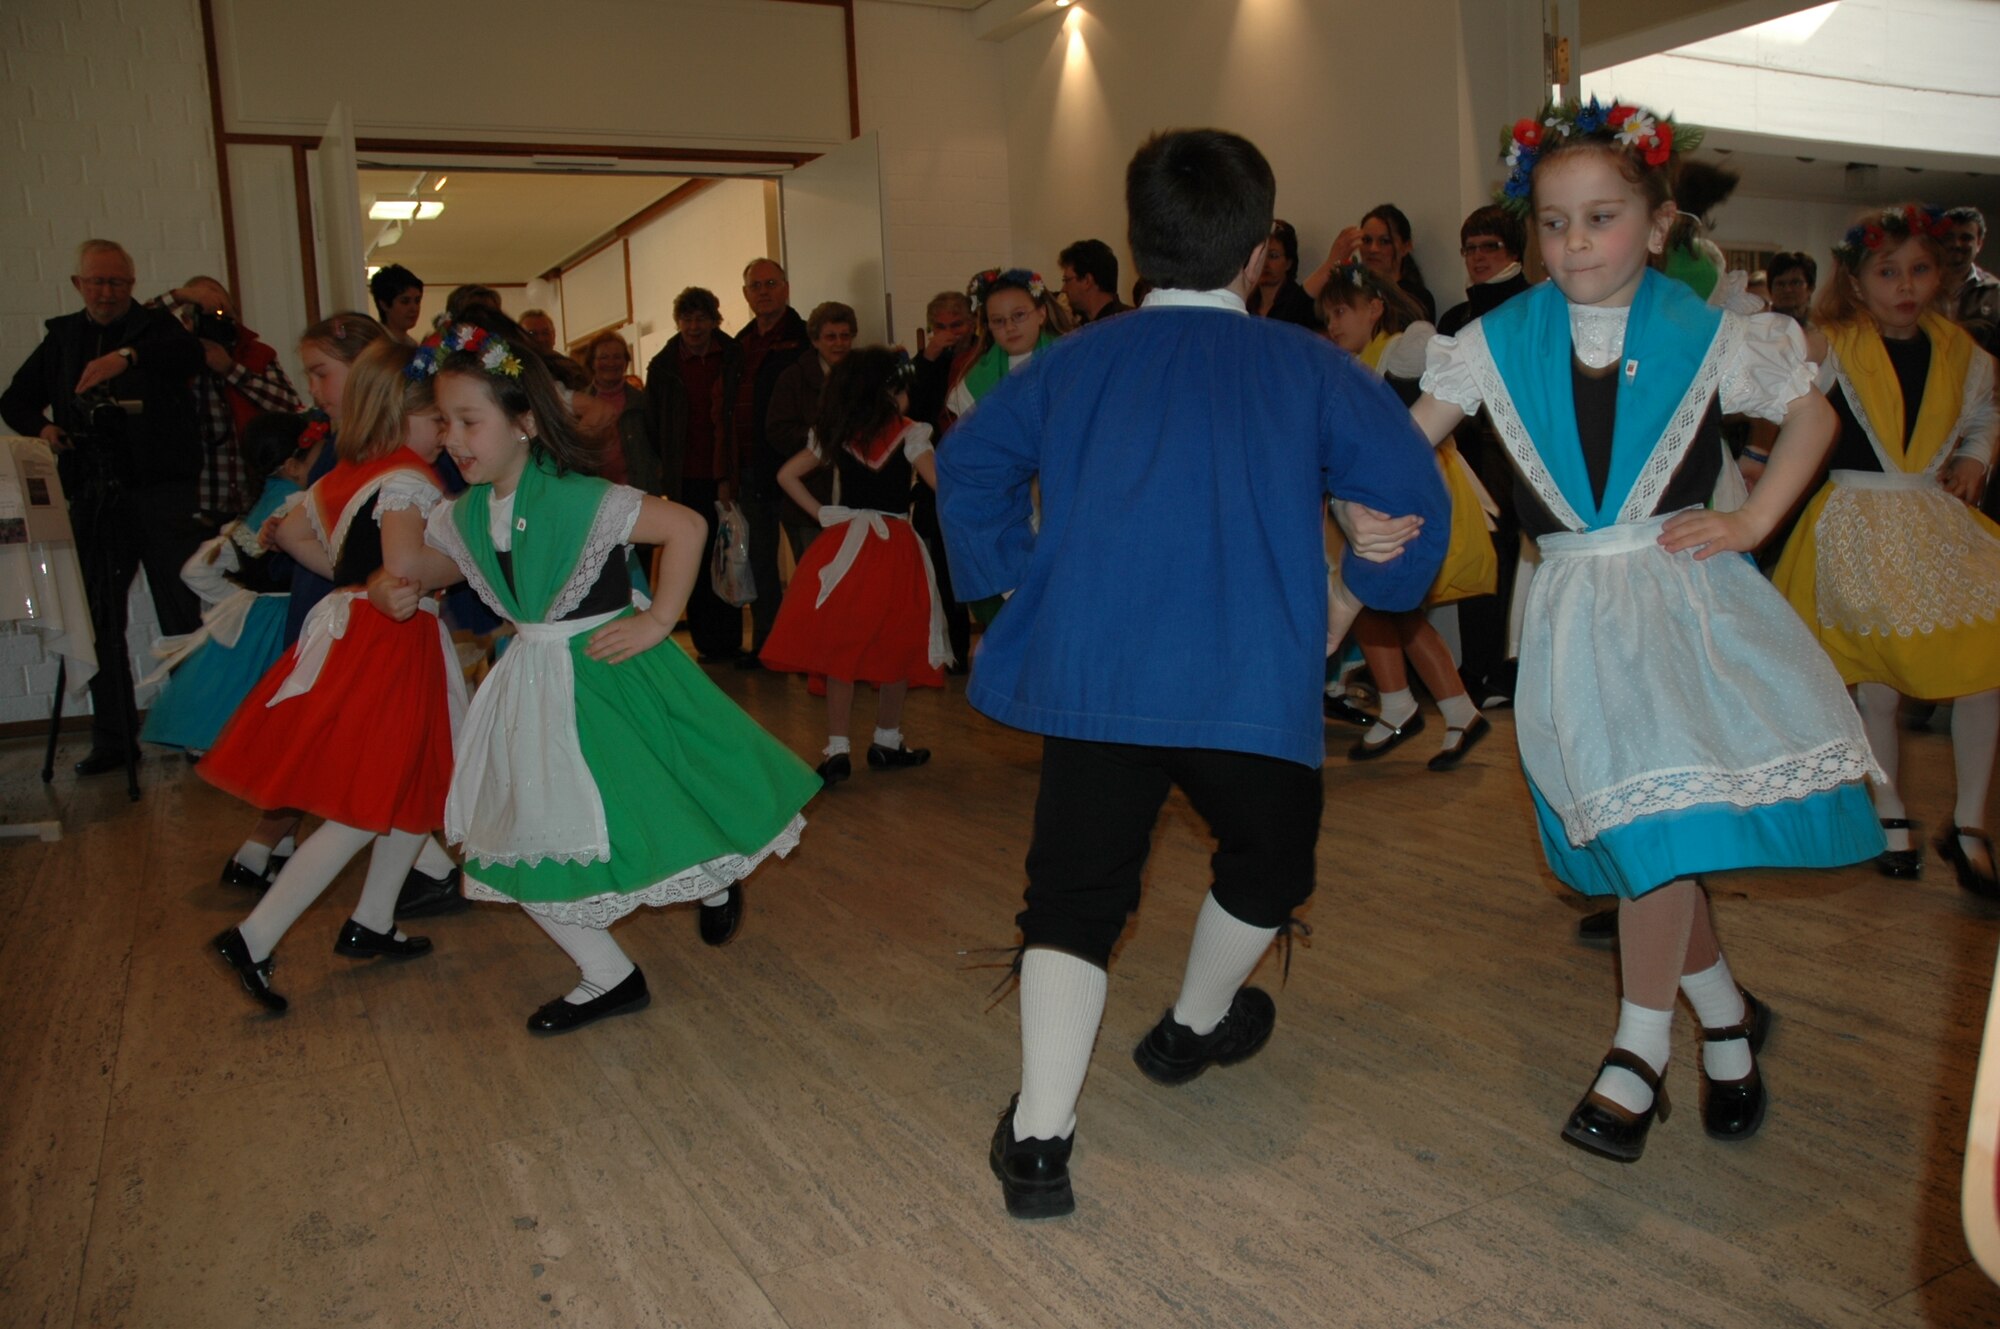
pixel 1975 733
pixel 1648 1033
pixel 1396 709
pixel 1062 1003
pixel 311 870
pixel 1224 951
pixel 1877 703
pixel 388 866
pixel 602 960
pixel 1718 1003
pixel 433 861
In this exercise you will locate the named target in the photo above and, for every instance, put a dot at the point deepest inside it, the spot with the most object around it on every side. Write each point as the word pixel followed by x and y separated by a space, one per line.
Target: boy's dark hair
pixel 858 402
pixel 1499 223
pixel 533 390
pixel 390 282
pixel 1785 261
pixel 267 442
pixel 1198 203
pixel 1966 214
pixel 697 300
pixel 1093 259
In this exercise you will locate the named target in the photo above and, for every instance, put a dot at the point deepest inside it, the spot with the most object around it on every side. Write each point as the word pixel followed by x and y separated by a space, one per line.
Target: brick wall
pixel 109 105
pixel 934 92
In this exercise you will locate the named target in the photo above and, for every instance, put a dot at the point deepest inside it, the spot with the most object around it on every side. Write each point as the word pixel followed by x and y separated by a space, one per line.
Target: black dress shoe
pixel 363 944
pixel 719 922
pixel 1982 884
pixel 426 897
pixel 890 759
pixel 1600 928
pixel 1902 864
pixel 102 761
pixel 1034 1174
pixel 1174 1054
pixel 235 874
pixel 1398 735
pixel 1338 707
pixel 833 770
pixel 1734 1109
pixel 255 975
pixel 1609 1130
pixel 1467 736
pixel 560 1016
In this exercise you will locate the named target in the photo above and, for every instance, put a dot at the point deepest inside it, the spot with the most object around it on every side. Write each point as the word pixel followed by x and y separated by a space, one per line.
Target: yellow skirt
pixel 1470 565
pixel 1900 583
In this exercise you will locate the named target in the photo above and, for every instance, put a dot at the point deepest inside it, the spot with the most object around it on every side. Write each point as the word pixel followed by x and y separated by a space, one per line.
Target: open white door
pixel 832 211
pixel 337 192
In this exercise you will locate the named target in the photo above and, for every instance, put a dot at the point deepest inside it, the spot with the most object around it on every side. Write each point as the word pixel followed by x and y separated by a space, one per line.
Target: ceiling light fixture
pixel 392 209
pixel 428 209
pixel 440 183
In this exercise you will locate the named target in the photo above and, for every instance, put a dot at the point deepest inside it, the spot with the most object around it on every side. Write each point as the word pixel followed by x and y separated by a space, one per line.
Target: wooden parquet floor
pixel 794 1134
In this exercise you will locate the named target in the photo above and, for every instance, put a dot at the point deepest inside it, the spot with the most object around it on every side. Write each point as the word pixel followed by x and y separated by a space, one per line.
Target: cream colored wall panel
pixel 269 269
pixel 593 291
pixel 644 72
pixel 704 242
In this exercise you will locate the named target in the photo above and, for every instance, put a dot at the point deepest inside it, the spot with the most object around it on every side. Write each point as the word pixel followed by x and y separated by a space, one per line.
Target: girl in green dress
pixel 598 768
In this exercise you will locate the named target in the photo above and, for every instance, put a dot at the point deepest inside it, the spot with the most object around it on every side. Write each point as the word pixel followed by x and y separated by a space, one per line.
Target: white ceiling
pixel 941 4
pixel 503 226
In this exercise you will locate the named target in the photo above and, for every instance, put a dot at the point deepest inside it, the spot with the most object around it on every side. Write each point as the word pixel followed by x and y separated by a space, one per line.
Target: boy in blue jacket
pixel 1169 622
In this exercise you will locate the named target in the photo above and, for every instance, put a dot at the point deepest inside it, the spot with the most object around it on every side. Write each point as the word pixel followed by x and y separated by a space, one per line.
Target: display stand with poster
pixel 41 583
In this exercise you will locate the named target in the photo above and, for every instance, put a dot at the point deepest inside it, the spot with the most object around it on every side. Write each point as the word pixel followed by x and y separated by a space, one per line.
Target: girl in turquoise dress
pixel 598 769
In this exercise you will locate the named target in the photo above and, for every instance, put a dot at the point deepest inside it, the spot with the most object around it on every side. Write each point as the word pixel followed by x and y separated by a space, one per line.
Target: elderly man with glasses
pixel 108 390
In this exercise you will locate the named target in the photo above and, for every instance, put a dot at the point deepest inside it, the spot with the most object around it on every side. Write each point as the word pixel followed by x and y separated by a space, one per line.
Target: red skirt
pixel 874 628
pixel 369 745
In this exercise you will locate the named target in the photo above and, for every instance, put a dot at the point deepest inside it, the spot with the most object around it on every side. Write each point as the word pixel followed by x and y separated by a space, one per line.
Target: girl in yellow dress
pixel 1381 326
pixel 1891 565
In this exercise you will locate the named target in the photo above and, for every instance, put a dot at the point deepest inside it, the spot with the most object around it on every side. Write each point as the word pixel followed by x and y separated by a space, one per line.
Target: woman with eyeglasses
pixel 1017 319
pixel 1278 294
pixel 1382 242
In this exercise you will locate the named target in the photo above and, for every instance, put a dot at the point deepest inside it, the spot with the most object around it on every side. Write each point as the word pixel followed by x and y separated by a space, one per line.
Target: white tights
pixel 311 870
pixel 1975 733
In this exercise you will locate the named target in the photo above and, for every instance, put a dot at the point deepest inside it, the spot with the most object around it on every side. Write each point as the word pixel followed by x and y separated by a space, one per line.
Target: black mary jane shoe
pixel 235 874
pixel 363 944
pixel 719 922
pixel 1338 707
pixel 1034 1174
pixel 1172 1054
pixel 834 769
pixel 1467 737
pixel 560 1016
pixel 1902 864
pixel 1398 735
pixel 1608 1130
pixel 425 896
pixel 896 758
pixel 255 975
pixel 1983 884
pixel 1734 1109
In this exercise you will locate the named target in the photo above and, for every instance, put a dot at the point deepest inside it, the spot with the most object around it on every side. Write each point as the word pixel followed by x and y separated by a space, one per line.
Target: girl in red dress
pixel 863 605
pixel 354 724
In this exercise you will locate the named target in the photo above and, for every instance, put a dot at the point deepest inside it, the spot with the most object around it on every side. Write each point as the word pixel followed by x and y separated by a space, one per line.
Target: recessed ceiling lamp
pixel 1064 4
pixel 428 210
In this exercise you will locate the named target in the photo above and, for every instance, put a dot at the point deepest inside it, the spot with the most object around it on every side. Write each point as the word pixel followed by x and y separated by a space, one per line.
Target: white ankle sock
pixel 1062 1003
pixel 889 738
pixel 1648 1034
pixel 717 900
pixel 836 747
pixel 254 856
pixel 602 960
pixel 1718 1003
pixel 1224 951
pixel 1459 712
pixel 1396 709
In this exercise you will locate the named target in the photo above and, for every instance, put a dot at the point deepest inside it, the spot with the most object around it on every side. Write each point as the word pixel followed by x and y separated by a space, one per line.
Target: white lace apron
pixel 1652 682
pixel 521 791
pixel 327 624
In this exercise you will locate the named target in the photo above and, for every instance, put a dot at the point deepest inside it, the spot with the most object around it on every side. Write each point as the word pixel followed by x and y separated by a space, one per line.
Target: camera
pixel 217 326
pixel 98 417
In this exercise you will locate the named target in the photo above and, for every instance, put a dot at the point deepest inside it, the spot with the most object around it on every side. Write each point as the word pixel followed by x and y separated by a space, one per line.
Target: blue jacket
pixel 1176 593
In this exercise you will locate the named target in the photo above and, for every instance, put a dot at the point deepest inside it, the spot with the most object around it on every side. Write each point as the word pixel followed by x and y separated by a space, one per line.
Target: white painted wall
pixel 111 139
pixel 705 242
pixel 1352 110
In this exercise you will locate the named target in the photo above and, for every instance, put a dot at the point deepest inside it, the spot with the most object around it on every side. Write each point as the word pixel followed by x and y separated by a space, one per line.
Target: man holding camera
pixel 108 390
pixel 241 378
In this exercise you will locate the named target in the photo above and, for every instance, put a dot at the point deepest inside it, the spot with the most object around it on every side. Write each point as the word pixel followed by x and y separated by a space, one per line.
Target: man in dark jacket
pixel 772 343
pixel 108 390
pixel 688 386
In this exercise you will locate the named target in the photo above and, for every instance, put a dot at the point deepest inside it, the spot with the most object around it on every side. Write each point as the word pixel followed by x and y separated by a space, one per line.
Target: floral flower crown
pixel 1891 226
pixel 982 287
pixel 494 356
pixel 1654 139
